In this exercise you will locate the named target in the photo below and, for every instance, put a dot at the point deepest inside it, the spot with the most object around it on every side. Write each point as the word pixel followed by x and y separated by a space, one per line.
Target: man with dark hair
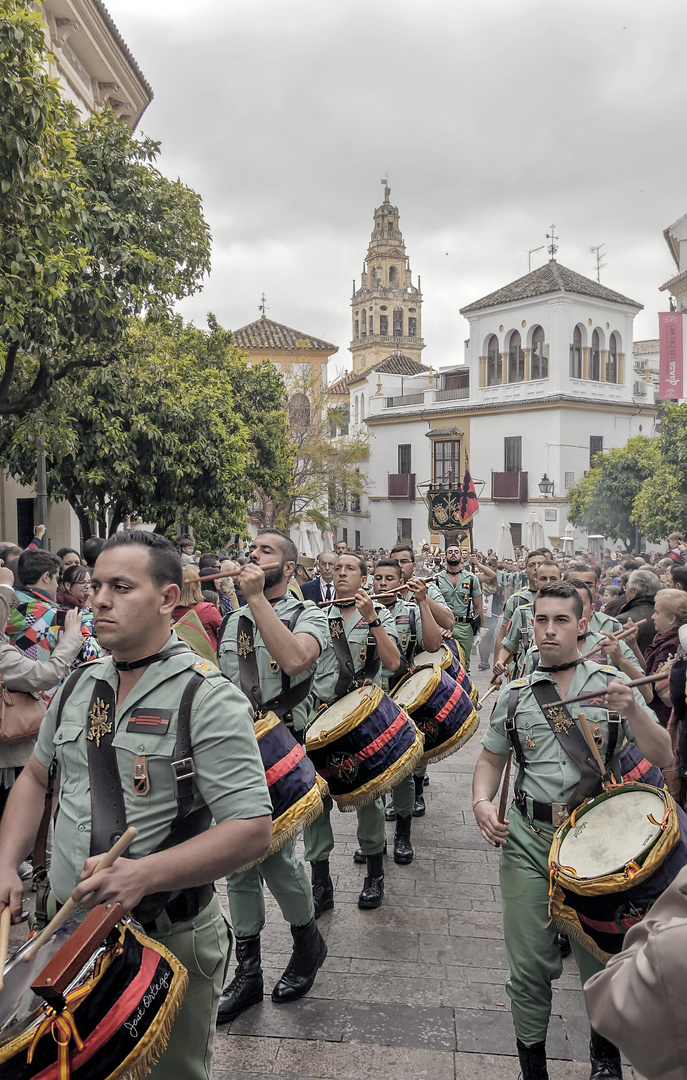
pixel 405 557
pixel 94 545
pixel 519 633
pixel 556 773
pixel 462 592
pixel 340 547
pixel 116 769
pixel 270 649
pixel 601 623
pixel 33 625
pixel 522 596
pixel 678 575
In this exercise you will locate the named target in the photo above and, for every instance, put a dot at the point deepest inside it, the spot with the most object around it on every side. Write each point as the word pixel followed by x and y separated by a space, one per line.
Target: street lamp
pixel 546 485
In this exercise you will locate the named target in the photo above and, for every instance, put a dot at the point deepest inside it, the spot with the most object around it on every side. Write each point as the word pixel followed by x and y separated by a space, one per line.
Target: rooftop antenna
pixel 530 253
pixel 553 246
pixel 599 253
pixel 262 305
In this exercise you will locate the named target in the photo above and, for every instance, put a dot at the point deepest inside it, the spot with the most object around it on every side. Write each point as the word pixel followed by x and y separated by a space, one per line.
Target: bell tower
pixel 387 308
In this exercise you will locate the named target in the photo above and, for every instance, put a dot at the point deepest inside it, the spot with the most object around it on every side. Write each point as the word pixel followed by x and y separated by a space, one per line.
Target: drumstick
pixel 503 801
pixel 586 731
pixel 373 596
pixel 619 635
pixel 660 676
pixel 71 905
pixel 5 923
pixel 490 691
pixel 235 573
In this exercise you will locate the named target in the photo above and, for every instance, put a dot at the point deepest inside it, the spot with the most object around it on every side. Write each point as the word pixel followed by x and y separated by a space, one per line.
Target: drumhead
pixel 439 657
pixel 611 834
pixel 412 686
pixel 340 710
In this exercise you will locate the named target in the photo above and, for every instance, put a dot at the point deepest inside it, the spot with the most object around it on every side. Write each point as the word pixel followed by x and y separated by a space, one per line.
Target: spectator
pixel 33 623
pixel 678 574
pixel 69 557
pixel 677 548
pixel 670 613
pixel 187 549
pixel 191 599
pixel 75 587
pixel 91 549
pixel 640 591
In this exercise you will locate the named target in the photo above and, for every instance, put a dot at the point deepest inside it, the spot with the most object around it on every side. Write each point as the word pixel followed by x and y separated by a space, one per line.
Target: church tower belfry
pixel 387 308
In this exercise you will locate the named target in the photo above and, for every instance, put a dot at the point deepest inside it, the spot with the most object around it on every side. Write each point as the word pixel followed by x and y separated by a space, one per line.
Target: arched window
pixel 393 276
pixel 356 407
pixel 299 411
pixel 612 360
pixel 364 324
pixel 595 358
pixel 398 322
pixel 539 367
pixel 516 359
pixel 494 362
pixel 576 354
pixel 372 324
pixel 362 408
pixel 356 328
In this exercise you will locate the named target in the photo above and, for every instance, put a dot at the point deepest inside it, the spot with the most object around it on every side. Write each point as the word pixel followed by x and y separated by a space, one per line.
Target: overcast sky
pixel 493 118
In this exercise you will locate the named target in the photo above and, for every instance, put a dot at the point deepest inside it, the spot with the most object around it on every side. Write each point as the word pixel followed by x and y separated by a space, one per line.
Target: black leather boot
pixel 604 1058
pixel 403 849
pixel 373 886
pixel 419 808
pixel 389 812
pixel 322 887
pixel 532 1061
pixel 245 989
pixel 308 956
pixel 359 855
pixel 564 946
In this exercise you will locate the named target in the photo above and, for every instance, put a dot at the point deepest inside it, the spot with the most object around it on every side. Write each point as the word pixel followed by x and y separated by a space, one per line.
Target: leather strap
pixel 348 677
pixel 571 739
pixel 290 696
pixel 108 816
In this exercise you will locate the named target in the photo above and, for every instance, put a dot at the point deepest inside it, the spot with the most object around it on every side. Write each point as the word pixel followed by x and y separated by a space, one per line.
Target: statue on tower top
pixel 387 189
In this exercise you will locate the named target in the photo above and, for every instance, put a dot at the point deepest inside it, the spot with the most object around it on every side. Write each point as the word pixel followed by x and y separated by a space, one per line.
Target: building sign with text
pixel 672 355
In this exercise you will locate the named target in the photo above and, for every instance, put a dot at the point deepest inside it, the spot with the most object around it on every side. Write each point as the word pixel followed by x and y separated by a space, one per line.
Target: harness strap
pixel 571 739
pixel 290 696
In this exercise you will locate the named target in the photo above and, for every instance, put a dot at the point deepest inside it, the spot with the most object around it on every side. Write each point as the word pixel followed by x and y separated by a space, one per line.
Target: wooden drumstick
pixel 659 676
pixel 619 635
pixel 490 691
pixel 374 596
pixel 586 731
pixel 5 923
pixel 235 573
pixel 68 909
pixel 503 801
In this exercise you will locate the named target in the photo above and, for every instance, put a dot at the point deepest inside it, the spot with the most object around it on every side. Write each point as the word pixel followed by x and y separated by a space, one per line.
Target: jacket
pixel 640 607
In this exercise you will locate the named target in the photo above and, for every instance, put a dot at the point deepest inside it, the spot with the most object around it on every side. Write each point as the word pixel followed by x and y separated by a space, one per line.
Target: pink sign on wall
pixel 671 365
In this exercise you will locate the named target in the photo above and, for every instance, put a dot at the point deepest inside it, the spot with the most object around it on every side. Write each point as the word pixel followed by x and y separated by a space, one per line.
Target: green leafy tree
pixel 603 500
pixel 91 233
pixel 661 505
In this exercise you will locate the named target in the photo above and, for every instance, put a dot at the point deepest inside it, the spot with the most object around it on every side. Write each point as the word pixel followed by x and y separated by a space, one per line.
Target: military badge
pixel 561 722
pixel 362 654
pixel 98 724
pixel 336 627
pixel 243 645
pixel 274 666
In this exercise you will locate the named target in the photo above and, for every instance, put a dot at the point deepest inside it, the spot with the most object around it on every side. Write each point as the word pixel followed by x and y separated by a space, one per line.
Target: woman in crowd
pixel 191 599
pixel 670 613
pixel 75 587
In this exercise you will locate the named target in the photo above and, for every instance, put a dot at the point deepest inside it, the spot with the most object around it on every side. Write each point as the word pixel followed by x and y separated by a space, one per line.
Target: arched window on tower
pixel 372 324
pixel 494 363
pixel 390 227
pixel 356 411
pixel 362 408
pixel 393 277
pixel 595 358
pixel 398 322
pixel 516 358
pixel 384 325
pixel 612 360
pixel 539 367
pixel 299 411
pixel 356 329
pixel 364 324
pixel 576 354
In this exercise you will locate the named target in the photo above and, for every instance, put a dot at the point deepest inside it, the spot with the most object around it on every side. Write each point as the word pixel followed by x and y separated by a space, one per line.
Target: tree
pixel 91 234
pixel 178 431
pixel 603 500
pixel 661 505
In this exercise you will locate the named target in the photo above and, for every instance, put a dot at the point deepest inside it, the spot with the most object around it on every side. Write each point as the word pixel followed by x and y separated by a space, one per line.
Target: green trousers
pixel 534 959
pixel 420 771
pixel 403 796
pixel 319 838
pixel 202 945
pixel 463 634
pixel 287 880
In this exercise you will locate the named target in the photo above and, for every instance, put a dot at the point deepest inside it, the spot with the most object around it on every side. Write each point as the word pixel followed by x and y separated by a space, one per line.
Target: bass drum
pixel 440 708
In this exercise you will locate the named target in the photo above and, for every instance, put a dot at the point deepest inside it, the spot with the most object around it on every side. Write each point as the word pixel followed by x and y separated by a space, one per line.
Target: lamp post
pixel 546 485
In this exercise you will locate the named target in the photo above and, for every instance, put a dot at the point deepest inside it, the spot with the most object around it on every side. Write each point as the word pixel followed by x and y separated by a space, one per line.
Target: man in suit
pixel 322 587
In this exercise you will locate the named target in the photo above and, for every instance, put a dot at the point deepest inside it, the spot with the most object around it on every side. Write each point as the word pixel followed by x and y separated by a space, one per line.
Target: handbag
pixel 20 714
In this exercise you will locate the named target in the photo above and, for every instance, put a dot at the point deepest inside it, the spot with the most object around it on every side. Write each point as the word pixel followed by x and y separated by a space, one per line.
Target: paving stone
pixel 309 1018
pixel 493 1067
pixel 462 952
pixel 475 995
pixel 242 1053
pixel 473 923
pixel 401 1025
pixel 375 990
pixel 334 1061
pixel 375 943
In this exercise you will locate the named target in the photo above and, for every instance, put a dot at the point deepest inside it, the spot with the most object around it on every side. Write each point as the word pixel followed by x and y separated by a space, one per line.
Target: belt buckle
pixel 183 769
pixel 559 813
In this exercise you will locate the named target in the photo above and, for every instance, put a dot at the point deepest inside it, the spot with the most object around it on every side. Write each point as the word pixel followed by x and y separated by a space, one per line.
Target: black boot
pixel 389 812
pixel 532 1061
pixel 322 887
pixel 403 849
pixel 419 808
pixel 425 780
pixel 359 855
pixel 373 886
pixel 564 947
pixel 604 1058
pixel 245 989
pixel 308 956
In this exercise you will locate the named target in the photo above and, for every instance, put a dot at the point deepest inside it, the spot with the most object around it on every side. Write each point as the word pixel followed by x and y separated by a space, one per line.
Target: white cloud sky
pixel 493 118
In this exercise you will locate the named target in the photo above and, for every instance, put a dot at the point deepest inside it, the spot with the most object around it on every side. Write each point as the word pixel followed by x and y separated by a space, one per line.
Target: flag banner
pixel 452 508
pixel 672 355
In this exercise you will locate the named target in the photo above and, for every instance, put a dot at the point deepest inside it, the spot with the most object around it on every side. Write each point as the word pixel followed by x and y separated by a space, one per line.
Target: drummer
pixel 417 630
pixel 270 649
pixel 369 642
pixel 549 779
pixel 140 687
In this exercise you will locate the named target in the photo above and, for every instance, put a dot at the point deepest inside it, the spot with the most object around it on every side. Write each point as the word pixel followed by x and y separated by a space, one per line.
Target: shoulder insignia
pixel 607 667
pixel 519 682
pixel 205 667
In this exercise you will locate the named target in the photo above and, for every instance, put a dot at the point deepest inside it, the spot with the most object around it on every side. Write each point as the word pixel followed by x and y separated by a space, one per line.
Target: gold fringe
pixel 304 812
pixel 374 789
pixel 465 732
pixel 574 931
pixel 367 706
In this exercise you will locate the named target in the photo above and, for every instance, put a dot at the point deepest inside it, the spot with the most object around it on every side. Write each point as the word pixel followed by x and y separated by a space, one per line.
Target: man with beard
pixel 270 649
pixel 462 592
pixel 405 557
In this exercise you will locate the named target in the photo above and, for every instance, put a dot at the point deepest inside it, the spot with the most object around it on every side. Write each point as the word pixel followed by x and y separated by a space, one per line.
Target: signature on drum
pixel 161 984
pixel 579 829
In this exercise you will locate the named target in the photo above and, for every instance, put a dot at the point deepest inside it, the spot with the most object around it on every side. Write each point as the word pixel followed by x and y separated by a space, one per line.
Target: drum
pixel 363 745
pixel 611 861
pixel 97 1001
pixel 295 788
pixel 440 708
pixel 447 659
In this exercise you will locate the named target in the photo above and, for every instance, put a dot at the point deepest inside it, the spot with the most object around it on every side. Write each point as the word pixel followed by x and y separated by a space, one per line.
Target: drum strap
pixel 571 739
pixel 349 679
pixel 108 816
pixel 283 703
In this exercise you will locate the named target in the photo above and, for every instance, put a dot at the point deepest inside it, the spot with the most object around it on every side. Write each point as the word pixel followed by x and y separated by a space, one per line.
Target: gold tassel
pixel 445 750
pixel 374 789
pixel 305 811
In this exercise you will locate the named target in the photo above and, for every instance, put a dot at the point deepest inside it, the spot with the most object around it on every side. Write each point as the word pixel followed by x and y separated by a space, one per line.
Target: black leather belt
pixel 181 908
pixel 460 618
pixel 550 813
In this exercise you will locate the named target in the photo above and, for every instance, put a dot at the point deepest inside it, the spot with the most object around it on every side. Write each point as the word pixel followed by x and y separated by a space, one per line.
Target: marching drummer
pixel 519 632
pixel 270 649
pixel 417 629
pixel 129 718
pixel 554 776
pixel 363 640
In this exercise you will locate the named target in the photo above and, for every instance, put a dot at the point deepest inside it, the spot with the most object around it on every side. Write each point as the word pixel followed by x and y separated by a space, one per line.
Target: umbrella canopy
pixel 303 540
pixel 568 540
pixel 504 544
pixel 315 538
pixel 534 532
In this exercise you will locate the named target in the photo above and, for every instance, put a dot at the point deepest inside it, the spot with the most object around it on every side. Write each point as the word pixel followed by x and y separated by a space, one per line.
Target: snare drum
pixel 97 1001
pixel 447 659
pixel 440 708
pixel 611 861
pixel 363 745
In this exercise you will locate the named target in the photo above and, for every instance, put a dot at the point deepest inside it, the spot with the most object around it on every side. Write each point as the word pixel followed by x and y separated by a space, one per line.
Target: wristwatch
pixel 375 624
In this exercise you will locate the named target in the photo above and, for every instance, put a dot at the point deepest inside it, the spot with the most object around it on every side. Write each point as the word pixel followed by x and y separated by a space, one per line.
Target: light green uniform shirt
pixel 457 596
pixel 312 620
pixel 584 645
pixel 401 614
pixel 229 778
pixel 550 774
pixel 601 623
pixel 520 627
pixel 357 632
pixel 513 602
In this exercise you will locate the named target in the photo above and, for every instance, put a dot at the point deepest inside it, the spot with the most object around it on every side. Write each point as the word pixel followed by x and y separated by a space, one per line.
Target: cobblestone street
pixel 414 989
